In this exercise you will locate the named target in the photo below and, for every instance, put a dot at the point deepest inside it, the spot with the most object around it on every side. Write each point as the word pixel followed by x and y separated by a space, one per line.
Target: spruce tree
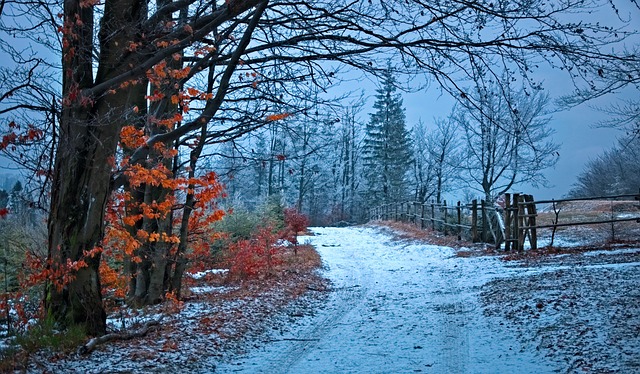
pixel 387 148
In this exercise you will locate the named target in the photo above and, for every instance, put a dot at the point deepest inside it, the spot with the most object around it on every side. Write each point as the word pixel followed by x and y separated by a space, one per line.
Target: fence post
pixel 408 218
pixel 459 221
pixel 444 219
pixel 532 213
pixel 433 215
pixel 516 222
pixel 522 235
pixel 507 222
pixel 474 220
pixel 407 211
pixel 422 215
pixel 483 206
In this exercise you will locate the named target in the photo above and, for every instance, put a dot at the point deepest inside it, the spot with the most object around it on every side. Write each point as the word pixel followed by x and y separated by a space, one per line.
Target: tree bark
pixel 89 133
pixel 79 197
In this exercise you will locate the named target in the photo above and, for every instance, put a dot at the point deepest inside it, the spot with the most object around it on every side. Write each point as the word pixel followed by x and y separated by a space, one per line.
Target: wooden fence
pixel 471 220
pixel 522 217
pixel 513 222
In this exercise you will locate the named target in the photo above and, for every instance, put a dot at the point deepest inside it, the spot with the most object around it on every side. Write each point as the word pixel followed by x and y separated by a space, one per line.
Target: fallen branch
pixel 321 289
pixel 94 342
pixel 291 340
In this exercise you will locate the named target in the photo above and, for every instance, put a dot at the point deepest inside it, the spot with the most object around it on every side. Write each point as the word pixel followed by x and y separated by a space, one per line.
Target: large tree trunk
pixel 89 134
pixel 150 278
pixel 80 192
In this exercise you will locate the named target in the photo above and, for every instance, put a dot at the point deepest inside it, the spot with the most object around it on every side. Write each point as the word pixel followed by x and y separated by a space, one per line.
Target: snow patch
pixel 210 289
pixel 202 274
pixel 623 251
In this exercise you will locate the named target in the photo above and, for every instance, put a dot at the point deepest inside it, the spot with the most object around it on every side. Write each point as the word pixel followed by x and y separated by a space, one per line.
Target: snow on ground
pixel 397 307
pixel 402 306
pixel 581 310
pixel 202 274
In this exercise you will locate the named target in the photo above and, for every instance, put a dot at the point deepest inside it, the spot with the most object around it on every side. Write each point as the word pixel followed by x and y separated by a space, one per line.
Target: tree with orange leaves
pixel 134 47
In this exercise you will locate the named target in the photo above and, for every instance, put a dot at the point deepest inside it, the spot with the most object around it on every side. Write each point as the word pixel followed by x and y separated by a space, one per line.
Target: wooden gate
pixel 519 221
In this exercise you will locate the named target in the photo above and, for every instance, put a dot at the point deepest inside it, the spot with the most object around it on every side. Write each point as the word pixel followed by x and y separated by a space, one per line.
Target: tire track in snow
pixel 348 290
pixel 397 307
pixel 345 297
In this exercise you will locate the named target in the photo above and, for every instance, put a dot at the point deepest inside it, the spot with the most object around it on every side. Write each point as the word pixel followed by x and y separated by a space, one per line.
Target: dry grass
pixel 579 211
pixel 598 236
pixel 552 251
pixel 252 301
pixel 408 231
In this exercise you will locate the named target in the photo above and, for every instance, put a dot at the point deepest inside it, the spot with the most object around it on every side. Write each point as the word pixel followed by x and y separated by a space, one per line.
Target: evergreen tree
pixel 4 199
pixel 16 201
pixel 387 148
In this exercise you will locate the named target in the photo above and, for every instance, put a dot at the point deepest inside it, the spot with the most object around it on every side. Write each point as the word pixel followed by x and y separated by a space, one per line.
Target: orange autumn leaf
pixel 277 117
pixel 132 137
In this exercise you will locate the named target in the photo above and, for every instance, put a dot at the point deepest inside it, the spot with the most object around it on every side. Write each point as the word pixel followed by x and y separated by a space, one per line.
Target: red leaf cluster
pixel 296 222
pixel 256 257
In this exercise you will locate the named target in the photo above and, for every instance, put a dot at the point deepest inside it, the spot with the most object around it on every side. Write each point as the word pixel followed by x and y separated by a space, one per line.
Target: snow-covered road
pixel 397 307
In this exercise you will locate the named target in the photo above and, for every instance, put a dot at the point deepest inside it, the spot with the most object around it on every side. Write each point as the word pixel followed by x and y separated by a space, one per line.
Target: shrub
pixel 20 297
pixel 296 222
pixel 252 241
pixel 256 257
pixel 273 213
pixel 45 335
pixel 238 225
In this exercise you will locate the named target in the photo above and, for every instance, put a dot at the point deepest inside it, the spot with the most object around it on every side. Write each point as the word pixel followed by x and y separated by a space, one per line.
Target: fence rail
pixel 458 219
pixel 512 223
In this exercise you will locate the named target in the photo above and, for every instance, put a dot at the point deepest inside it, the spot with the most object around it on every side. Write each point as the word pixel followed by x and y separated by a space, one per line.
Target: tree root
pixel 94 342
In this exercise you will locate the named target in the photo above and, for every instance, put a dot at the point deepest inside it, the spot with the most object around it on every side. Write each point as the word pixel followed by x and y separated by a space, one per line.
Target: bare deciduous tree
pixel 507 140
pixel 444 151
pixel 614 172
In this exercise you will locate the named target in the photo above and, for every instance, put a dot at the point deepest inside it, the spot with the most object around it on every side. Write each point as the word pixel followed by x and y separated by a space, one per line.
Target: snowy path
pixel 397 307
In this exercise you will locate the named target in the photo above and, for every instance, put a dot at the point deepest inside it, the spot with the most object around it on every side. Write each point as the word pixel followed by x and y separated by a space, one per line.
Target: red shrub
pixel 256 257
pixel 296 222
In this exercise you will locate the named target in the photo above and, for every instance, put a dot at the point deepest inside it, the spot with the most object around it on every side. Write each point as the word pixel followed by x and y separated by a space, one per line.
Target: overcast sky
pixel 575 129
